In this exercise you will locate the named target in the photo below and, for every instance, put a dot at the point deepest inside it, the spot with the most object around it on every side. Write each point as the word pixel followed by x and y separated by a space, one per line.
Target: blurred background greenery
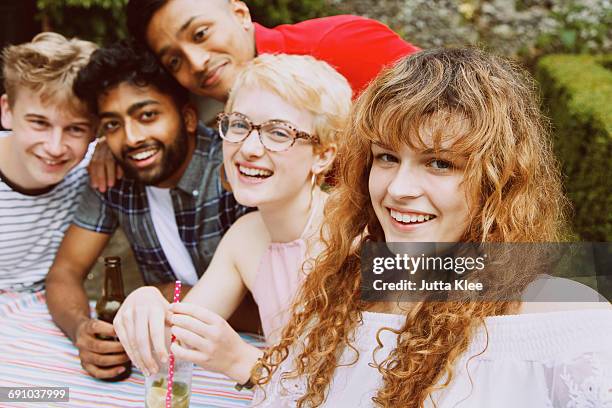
pixel 576 86
pixel 101 21
pixel 521 28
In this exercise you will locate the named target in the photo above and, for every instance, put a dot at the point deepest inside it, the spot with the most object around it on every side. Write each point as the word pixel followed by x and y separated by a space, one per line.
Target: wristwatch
pixel 253 378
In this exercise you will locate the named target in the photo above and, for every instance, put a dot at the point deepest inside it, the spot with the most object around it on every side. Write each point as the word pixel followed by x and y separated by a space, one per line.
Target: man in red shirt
pixel 205 43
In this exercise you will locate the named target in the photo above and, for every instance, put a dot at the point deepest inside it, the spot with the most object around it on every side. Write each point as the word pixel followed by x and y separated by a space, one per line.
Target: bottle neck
pixel 113 283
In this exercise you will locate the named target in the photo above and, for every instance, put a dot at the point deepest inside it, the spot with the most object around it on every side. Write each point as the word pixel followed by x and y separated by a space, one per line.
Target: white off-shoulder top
pixel 540 360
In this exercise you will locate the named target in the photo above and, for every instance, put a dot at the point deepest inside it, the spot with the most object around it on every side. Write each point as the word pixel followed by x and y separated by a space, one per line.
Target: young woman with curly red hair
pixel 445 146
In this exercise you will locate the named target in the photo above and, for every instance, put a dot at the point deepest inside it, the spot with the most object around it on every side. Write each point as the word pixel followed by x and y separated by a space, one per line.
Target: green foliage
pixel 271 13
pixel 101 21
pixel 577 90
pixel 580 27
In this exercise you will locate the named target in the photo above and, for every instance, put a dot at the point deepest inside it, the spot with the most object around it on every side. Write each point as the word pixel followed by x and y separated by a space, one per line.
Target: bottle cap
pixel 112 260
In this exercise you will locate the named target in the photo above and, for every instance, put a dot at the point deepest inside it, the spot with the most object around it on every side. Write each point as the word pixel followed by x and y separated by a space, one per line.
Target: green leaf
pixel 568 38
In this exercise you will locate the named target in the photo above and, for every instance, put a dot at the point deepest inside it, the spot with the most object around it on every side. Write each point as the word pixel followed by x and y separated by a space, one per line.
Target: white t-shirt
pixel 164 221
pixel 32 228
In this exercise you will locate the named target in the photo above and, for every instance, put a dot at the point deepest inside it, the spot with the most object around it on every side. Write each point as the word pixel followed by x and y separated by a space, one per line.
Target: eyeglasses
pixel 274 135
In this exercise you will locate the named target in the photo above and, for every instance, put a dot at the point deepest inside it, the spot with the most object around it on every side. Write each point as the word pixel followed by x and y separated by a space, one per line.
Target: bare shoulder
pixel 244 237
pixel 247 240
pixel 550 294
pixel 248 226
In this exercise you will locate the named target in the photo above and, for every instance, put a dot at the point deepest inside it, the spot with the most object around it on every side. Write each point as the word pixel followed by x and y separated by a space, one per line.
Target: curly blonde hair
pixel 515 194
pixel 48 64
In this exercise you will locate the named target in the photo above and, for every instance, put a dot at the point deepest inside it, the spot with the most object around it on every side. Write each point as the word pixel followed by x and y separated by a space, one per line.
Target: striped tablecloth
pixel 34 352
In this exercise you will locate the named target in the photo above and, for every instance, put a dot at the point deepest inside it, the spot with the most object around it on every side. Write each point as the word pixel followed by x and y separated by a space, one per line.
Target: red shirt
pixel 355 46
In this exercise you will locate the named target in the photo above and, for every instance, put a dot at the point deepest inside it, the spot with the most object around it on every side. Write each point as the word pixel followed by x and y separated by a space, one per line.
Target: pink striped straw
pixel 177 296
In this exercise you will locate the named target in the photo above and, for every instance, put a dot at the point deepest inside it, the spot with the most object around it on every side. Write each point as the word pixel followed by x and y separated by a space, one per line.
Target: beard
pixel 172 158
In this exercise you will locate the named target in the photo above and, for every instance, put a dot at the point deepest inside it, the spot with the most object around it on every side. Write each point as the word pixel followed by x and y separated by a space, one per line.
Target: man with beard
pixel 170 204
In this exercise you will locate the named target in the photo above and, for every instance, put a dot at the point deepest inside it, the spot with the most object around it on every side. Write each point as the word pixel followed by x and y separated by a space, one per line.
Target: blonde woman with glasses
pixel 279 130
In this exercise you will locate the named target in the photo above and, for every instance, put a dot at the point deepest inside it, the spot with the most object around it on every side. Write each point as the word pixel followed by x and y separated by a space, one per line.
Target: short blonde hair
pixel 49 65
pixel 304 82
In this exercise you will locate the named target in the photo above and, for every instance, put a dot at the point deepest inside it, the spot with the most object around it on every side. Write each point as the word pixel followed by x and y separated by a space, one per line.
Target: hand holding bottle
pixel 103 359
pixel 104 338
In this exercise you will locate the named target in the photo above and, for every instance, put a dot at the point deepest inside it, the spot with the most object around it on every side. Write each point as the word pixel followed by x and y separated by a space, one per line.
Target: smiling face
pixel 47 140
pixel 147 133
pixel 418 194
pixel 257 176
pixel 203 43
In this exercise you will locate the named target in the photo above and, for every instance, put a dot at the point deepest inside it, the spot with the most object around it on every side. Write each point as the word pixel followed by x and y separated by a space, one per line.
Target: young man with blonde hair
pixel 41 155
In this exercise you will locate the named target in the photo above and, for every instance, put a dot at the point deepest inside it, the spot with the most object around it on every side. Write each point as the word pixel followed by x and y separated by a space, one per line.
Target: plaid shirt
pixel 202 208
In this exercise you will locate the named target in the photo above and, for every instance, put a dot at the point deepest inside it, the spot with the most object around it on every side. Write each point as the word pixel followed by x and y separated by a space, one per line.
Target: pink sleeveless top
pixel 278 278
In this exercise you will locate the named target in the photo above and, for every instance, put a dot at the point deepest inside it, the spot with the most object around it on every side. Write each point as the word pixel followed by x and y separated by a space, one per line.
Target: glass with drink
pixel 156 386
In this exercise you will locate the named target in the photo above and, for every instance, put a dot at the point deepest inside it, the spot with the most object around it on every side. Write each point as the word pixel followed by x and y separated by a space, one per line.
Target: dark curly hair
pixel 124 62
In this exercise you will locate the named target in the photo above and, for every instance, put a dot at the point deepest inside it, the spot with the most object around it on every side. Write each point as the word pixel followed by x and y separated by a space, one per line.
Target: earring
pixel 313 182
